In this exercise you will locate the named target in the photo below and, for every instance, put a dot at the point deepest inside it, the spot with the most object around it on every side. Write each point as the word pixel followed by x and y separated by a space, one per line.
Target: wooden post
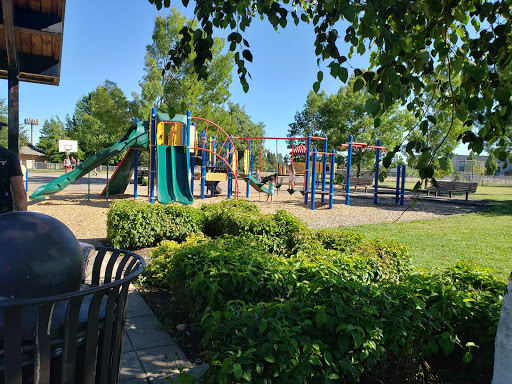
pixel 13 130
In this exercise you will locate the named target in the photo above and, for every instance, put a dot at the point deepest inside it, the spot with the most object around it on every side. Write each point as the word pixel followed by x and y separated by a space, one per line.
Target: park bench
pixel 361 182
pixel 453 187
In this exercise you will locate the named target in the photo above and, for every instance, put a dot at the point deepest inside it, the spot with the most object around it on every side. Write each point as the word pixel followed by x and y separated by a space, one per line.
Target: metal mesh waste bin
pixel 75 337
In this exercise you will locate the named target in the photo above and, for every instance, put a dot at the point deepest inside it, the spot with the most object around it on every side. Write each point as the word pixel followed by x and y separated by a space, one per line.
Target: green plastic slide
pixel 122 176
pixel 136 137
pixel 173 175
pixel 256 185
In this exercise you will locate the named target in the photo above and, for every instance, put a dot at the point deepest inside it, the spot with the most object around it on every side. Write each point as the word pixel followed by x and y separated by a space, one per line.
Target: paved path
pixel 149 353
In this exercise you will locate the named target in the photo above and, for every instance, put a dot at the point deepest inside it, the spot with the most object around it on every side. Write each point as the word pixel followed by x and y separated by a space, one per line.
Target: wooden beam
pixel 10 35
pixel 13 122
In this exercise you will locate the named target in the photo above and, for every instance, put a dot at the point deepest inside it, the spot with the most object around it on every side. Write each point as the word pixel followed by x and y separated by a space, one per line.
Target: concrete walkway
pixel 149 355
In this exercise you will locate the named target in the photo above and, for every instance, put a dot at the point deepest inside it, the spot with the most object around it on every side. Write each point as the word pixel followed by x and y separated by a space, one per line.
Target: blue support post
pixel 108 166
pixel 152 155
pixel 249 167
pixel 306 173
pixel 135 172
pixel 26 179
pixel 313 178
pixel 230 162
pixel 135 168
pixel 212 164
pixel 324 168
pixel 397 194
pixel 190 154
pixel 204 155
pixel 331 181
pixel 349 165
pixel 402 194
pixel 376 186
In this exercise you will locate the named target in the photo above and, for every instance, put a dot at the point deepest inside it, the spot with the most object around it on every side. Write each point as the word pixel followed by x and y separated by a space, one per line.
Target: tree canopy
pixel 342 114
pixel 167 90
pixel 416 47
pixel 100 118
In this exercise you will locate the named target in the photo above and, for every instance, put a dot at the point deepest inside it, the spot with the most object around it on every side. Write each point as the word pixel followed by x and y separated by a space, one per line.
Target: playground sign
pixel 68 146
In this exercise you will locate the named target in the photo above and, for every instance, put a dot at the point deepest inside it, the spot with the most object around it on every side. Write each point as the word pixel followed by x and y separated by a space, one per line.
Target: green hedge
pixel 329 315
pixel 133 224
pixel 344 331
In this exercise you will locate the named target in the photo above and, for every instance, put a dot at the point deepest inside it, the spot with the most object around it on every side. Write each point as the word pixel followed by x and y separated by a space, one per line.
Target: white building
pixel 459 164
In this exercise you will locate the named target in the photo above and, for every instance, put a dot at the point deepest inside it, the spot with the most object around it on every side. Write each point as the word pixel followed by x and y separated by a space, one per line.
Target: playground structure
pixel 168 141
pixel 175 145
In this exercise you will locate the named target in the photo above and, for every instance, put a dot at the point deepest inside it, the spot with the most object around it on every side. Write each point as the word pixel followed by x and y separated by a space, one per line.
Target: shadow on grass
pixel 498 208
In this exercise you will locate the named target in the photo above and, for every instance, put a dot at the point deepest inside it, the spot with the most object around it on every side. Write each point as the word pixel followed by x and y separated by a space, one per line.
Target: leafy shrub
pixel 343 331
pixel 133 224
pixel 224 269
pixel 277 233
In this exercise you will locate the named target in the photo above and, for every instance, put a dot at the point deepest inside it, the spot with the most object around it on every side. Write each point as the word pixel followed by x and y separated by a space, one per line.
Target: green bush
pixel 330 315
pixel 345 331
pixel 277 233
pixel 225 269
pixel 133 224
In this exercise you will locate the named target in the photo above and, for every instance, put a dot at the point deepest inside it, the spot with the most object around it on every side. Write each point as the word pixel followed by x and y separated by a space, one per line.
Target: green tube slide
pixel 173 175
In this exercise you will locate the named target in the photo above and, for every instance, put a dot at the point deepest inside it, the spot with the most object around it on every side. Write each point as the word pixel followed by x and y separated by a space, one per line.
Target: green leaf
pixel 259 368
pixel 263 325
pixel 246 375
pixel 372 105
pixel 316 86
pixel 320 318
pixel 358 85
pixel 247 55
pixel 350 13
pixel 422 55
pixel 226 365
pixel 269 357
pixel 343 74
pixel 328 358
pixel 237 371
pixel 320 76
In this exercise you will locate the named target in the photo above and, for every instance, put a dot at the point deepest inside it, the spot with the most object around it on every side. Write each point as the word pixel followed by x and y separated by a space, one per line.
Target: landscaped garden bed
pixel 275 302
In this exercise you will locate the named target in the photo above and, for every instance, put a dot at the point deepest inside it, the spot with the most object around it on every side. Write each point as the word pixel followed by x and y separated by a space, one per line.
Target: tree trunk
pixel 503 342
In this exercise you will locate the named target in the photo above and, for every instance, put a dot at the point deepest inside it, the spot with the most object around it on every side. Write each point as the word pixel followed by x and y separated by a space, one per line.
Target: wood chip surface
pixel 87 217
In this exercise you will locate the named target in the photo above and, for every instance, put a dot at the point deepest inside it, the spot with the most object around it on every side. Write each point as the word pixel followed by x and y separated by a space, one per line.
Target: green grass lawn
pixel 483 238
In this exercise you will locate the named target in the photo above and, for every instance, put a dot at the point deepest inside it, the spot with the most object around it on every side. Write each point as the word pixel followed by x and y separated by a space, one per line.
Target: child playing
pixel 291 175
pixel 258 175
pixel 270 188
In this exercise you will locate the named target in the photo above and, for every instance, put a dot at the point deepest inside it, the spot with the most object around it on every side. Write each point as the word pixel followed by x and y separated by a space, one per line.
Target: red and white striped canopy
pixel 299 150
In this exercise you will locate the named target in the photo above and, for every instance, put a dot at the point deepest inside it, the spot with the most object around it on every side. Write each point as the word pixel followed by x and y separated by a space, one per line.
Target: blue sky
pixel 107 40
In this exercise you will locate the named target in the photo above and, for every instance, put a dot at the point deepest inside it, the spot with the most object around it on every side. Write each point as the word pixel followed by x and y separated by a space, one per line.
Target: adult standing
pixel 12 190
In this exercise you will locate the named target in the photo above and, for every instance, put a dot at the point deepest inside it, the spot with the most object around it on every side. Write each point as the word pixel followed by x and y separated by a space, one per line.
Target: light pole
pixel 32 122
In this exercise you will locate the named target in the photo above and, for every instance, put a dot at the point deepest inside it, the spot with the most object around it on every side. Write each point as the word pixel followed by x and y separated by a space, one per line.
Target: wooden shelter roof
pixel 31 39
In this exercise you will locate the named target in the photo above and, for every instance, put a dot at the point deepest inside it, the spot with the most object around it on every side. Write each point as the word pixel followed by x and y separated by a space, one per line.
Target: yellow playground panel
pixel 171 133
pixel 300 167
pixel 216 176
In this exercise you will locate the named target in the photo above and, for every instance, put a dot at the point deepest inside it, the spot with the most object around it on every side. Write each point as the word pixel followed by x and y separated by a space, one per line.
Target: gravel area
pixel 87 218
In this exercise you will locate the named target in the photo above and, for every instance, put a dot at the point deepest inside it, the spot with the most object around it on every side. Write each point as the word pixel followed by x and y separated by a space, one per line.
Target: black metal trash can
pixel 75 337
